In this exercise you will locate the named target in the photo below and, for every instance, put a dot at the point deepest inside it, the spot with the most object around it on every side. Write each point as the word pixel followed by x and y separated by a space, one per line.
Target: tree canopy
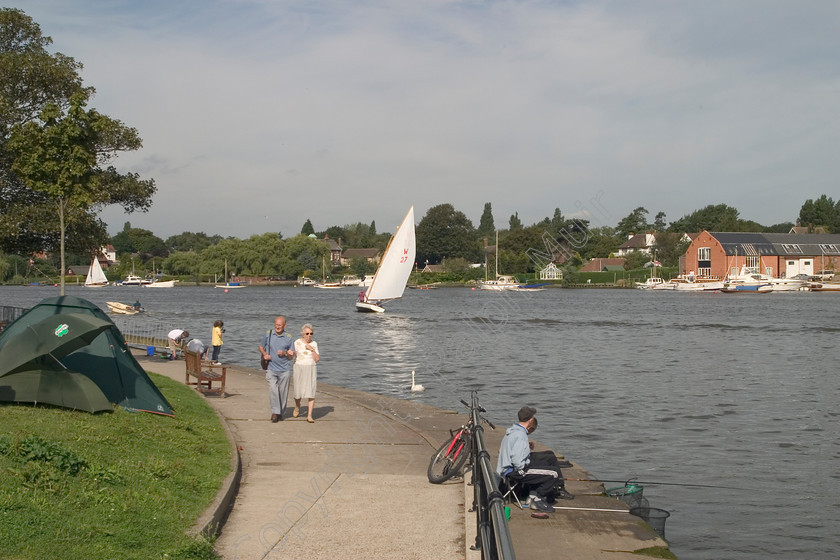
pixel 821 212
pixel 446 233
pixel 54 152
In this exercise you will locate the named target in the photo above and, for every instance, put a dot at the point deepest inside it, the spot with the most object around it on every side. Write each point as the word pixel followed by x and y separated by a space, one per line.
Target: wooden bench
pixel 204 373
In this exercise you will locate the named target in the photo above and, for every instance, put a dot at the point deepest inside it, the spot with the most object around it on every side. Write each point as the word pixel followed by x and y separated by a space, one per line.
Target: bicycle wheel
pixel 449 459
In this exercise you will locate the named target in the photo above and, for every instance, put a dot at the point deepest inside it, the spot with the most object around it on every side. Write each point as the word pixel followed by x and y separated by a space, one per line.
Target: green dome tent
pixel 106 360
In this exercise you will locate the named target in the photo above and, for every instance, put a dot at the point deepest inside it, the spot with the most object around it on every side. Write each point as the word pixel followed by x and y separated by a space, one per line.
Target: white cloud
pixel 258 115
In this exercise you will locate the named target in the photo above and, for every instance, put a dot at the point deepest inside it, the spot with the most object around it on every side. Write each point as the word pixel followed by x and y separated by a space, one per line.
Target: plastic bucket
pixel 150 350
pixel 654 517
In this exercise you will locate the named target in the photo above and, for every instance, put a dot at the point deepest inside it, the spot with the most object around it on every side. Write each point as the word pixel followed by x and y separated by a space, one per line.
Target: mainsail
pixel 396 264
pixel 95 276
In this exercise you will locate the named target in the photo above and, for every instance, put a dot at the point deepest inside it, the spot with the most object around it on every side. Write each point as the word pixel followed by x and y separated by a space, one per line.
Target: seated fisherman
pixel 541 474
pixel 196 345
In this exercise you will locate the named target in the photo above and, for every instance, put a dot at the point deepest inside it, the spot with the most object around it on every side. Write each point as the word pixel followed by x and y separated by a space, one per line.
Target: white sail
pixel 396 264
pixel 95 275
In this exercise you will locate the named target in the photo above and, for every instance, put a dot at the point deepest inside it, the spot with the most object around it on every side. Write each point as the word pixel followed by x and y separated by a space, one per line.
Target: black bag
pixel 264 363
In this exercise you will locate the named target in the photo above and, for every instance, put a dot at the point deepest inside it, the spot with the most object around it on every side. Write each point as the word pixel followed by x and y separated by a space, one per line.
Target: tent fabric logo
pixel 61 330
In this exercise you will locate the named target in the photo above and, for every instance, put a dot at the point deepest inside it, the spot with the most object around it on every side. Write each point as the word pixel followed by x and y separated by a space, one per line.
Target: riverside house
pixel 717 254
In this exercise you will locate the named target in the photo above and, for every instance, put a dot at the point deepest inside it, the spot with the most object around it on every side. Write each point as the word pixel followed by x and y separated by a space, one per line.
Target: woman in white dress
pixel 306 370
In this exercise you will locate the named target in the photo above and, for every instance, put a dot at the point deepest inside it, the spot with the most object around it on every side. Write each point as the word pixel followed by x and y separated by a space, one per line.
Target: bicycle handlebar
pixel 480 409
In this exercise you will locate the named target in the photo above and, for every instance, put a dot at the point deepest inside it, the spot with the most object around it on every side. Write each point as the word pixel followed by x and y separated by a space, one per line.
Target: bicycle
pixel 450 457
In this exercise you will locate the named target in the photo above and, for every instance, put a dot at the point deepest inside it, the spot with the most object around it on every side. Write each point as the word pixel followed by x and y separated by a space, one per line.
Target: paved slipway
pixel 353 485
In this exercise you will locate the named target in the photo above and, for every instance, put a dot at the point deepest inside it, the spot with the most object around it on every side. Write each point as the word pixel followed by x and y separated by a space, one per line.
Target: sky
pixel 257 115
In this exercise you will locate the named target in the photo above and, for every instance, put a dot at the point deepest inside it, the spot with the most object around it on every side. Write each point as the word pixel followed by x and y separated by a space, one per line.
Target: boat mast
pixel 497 254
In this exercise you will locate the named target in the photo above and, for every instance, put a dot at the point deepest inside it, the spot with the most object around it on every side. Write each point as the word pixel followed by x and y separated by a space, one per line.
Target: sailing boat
pixel 227 283
pixel 501 283
pixel 323 283
pixel 95 276
pixel 394 268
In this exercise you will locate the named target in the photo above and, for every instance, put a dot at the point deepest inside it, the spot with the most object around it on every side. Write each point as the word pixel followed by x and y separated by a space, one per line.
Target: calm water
pixel 715 389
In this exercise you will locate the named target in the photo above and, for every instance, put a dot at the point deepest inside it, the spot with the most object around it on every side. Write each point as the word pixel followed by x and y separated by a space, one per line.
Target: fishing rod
pixel 634 481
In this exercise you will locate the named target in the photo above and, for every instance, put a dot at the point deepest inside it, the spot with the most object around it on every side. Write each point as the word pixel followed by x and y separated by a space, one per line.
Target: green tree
pixel 670 247
pixel 659 223
pixel 821 212
pixel 62 156
pixel 718 217
pixel 514 222
pixel 307 227
pixel 601 242
pixel 446 232
pixel 635 222
pixel 139 241
pixel 188 241
pixel 636 259
pixel 486 227
pixel 30 79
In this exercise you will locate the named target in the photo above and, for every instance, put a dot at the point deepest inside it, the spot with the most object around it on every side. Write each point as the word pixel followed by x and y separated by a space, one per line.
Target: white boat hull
pixel 165 284
pixel 366 307
pixel 121 308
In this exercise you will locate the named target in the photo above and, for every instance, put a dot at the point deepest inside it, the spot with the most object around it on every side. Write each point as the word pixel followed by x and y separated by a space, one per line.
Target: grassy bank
pixel 112 485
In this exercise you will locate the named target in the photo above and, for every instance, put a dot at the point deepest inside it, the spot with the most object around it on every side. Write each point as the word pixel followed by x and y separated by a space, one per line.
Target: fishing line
pixel 634 481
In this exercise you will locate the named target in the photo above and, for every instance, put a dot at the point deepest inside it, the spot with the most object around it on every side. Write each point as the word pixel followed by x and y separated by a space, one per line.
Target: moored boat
pixel 500 284
pixel 161 284
pixel 132 280
pixel 748 280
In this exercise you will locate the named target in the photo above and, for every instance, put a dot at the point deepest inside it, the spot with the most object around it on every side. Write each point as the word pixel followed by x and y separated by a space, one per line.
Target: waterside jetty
pixel 353 485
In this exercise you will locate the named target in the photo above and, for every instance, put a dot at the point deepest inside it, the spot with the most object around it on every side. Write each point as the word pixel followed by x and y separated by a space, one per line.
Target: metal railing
pixel 492 532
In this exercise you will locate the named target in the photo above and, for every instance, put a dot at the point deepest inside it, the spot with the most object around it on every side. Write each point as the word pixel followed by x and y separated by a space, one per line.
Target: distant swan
pixel 415 388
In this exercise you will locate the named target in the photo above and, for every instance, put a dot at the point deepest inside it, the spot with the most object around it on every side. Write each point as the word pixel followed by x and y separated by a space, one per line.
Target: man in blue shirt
pixel 544 480
pixel 277 352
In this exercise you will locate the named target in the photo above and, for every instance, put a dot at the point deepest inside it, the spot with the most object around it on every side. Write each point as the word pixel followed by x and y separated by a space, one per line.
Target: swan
pixel 415 388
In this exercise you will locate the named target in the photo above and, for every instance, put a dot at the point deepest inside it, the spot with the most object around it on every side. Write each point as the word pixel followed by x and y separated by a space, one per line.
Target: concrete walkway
pixel 353 484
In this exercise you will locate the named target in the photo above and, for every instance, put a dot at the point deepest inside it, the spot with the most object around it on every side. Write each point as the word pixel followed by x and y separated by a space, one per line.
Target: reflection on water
pixel 714 389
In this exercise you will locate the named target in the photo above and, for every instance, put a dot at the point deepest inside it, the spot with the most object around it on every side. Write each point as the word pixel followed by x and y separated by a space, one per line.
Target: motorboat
pixel 652 283
pixel 692 283
pixel 161 284
pixel 351 280
pixel 306 281
pixel 748 280
pixel 394 269
pixel 132 280
pixel 123 308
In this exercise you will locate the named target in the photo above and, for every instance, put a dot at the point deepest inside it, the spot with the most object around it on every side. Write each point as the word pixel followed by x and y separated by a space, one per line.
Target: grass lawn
pixel 110 485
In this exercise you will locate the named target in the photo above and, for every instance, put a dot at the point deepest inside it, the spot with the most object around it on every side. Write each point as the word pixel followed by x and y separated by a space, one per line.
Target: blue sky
pixel 259 114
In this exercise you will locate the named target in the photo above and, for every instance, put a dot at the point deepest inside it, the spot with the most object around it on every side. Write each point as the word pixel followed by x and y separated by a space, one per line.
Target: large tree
pixel 486 227
pixel 54 152
pixel 446 232
pixel 31 78
pixel 718 217
pixel 821 212
pixel 635 222
pixel 62 156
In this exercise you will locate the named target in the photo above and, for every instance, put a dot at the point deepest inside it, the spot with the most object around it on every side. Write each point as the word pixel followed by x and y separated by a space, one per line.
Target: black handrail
pixel 492 532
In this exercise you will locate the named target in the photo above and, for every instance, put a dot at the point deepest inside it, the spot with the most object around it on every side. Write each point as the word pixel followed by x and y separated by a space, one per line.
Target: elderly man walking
pixel 277 350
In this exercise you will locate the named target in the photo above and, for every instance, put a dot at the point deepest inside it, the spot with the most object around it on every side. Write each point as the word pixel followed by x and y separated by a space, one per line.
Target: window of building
pixel 753 261
pixel 704 272
pixel 704 254
pixel 829 248
pixel 792 248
